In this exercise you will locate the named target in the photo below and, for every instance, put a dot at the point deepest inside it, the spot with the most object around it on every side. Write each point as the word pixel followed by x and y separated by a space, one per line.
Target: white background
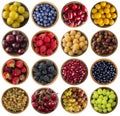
pixel 59 57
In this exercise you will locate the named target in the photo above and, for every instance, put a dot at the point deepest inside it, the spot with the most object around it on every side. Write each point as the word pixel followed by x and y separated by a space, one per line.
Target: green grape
pixel 99 91
pixel 16 24
pixel 95 95
pixel 104 92
pixel 105 110
pixel 93 101
pixel 99 110
pixel 109 109
pixel 9 21
pixel 103 106
pixel 20 19
pixel 99 101
pixel 6 7
pixel 114 104
pixel 101 96
pixel 104 102
pixel 13 15
pixel 5 14
pixel 13 8
pixel 110 101
pixel 112 96
pixel 99 106
pixel 96 108
pixel 17 3
pixel 109 105
pixel 25 14
pixel 107 93
pixel 105 98
pixel 111 92
pixel 21 9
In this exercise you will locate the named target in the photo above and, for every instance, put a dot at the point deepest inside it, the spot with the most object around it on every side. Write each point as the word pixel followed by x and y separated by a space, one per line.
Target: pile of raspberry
pixel 45 43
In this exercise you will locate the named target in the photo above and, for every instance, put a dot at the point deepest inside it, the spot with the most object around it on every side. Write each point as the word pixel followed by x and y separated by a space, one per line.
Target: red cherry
pixel 54 96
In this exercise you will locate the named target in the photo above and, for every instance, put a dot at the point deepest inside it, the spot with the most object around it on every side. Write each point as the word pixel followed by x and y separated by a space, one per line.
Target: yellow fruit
pixel 106 21
pixel 100 21
pixel 97 6
pixel 16 24
pixel 93 16
pixel 101 11
pixel 97 15
pixel 13 15
pixel 103 4
pixel 103 16
pixel 112 9
pixel 111 22
pixel 6 7
pixel 13 8
pixel 114 15
pixel 94 10
pixel 17 3
pixel 106 10
pixel 101 25
pixel 108 6
pixel 108 15
pixel 9 21
pixel 5 14
pixel 95 21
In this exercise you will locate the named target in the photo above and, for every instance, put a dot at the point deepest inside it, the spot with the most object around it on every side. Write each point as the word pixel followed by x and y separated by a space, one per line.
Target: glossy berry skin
pixel 44 43
pixel 44 72
pixel 45 15
pixel 104 71
pixel 42 100
pixel 15 43
pixel 74 14
pixel 74 71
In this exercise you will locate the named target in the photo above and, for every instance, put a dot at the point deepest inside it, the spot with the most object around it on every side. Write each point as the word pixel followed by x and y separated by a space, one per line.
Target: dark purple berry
pixel 21 51
pixel 19 38
pixel 15 33
pixel 9 49
pixel 10 38
pixel 15 45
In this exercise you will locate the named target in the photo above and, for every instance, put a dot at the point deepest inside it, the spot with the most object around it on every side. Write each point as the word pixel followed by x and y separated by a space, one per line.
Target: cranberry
pixel 74 71
pixel 74 14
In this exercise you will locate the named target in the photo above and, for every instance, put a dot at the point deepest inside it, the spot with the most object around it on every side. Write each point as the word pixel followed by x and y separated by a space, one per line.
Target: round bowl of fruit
pixel 44 100
pixel 15 71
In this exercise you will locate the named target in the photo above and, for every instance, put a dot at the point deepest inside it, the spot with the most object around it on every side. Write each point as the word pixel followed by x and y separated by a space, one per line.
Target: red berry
pixel 24 70
pixel 7 69
pixel 51 35
pixel 11 63
pixel 43 53
pixel 6 75
pixel 15 80
pixel 43 48
pixel 74 7
pixel 35 105
pixel 39 43
pixel 41 109
pixel 47 39
pixel 54 97
pixel 49 51
pixel 16 72
pixel 35 39
pixel 54 45
pixel 42 36
pixel 19 64
pixel 52 104
pixel 34 97
pixel 45 98
pixel 37 50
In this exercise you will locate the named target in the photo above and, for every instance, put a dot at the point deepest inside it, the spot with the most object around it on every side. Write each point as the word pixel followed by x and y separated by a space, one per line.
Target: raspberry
pixel 47 39
pixel 49 51
pixel 43 53
pixel 24 70
pixel 39 43
pixel 54 45
pixel 15 80
pixel 43 48
pixel 42 36
pixel 51 35
pixel 37 50
pixel 35 39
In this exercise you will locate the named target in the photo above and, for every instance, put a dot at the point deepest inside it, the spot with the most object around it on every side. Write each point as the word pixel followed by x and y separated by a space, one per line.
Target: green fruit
pixel 114 104
pixel 105 110
pixel 5 14
pixel 103 106
pixel 105 98
pixel 112 96
pixel 16 24
pixel 13 15
pixel 25 14
pixel 109 109
pixel 99 110
pixel 20 19
pixel 13 8
pixel 110 101
pixel 9 21
pixel 99 91
pixel 104 102
pixel 99 101
pixel 101 96
pixel 96 108
pixel 17 3
pixel 21 9
pixel 6 7
pixel 109 105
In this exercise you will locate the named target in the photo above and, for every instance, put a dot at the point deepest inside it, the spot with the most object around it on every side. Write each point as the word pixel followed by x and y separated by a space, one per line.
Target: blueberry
pixel 36 78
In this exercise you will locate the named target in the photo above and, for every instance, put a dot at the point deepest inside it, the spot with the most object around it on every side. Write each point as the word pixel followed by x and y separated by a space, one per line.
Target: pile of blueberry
pixel 104 71
pixel 44 72
pixel 45 14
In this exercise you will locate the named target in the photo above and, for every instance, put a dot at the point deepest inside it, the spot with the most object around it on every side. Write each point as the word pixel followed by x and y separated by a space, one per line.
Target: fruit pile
pixel 74 14
pixel 15 71
pixel 104 14
pixel 15 43
pixel 15 14
pixel 74 100
pixel 44 100
pixel 74 71
pixel 44 72
pixel 44 43
pixel 104 100
pixel 45 14
pixel 74 43
pixel 103 71
pixel 15 100
pixel 104 43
